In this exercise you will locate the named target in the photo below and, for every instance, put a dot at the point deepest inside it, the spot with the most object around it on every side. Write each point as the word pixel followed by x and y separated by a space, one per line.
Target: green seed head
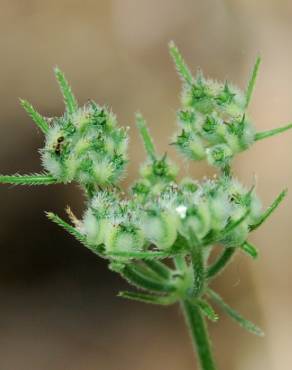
pixel 212 117
pixel 86 147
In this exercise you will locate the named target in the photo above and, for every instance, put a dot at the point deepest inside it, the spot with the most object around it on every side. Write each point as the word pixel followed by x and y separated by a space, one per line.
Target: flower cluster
pixel 213 122
pixel 86 147
pixel 160 217
pixel 216 211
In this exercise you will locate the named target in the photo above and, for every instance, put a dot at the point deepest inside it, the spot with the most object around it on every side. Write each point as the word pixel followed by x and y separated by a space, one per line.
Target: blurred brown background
pixel 58 309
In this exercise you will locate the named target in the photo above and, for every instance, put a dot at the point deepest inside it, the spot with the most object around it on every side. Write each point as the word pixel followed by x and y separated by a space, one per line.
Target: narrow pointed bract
pixel 146 137
pixel 180 64
pixel 249 249
pixel 141 255
pixel 208 310
pixel 39 120
pixel 246 324
pixel 71 230
pixel 270 210
pixel 265 134
pixel 132 274
pixel 69 98
pixel 31 179
pixel 252 81
pixel 148 298
pixel 221 262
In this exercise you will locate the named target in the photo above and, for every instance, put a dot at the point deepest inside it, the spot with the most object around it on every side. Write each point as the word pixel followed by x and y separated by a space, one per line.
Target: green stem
pixel 221 262
pixel 198 269
pixel 198 331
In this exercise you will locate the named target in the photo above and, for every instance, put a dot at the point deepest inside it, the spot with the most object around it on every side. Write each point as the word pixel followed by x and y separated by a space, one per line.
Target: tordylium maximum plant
pixel 160 235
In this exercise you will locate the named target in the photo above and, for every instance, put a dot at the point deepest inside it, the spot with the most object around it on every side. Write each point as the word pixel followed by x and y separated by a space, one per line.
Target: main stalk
pixel 198 331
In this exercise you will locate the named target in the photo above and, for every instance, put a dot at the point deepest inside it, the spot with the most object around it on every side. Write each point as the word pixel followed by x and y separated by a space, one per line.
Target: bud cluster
pixel 213 122
pixel 86 147
pixel 113 223
pixel 155 175
pixel 219 210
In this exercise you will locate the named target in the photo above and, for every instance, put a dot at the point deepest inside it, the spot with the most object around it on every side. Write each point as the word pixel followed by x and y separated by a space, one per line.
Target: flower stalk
pixel 199 334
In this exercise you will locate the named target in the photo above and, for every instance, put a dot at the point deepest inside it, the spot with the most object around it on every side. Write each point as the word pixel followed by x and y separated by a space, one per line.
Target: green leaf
pixel 180 64
pixel 159 268
pixel 273 132
pixel 72 230
pixel 207 310
pixel 249 249
pixel 270 210
pixel 40 121
pixel 31 179
pixel 144 281
pixel 246 324
pixel 69 99
pixel 148 298
pixel 146 137
pixel 252 81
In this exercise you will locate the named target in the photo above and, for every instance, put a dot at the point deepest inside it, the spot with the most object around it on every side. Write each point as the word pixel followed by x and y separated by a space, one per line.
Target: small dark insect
pixel 58 146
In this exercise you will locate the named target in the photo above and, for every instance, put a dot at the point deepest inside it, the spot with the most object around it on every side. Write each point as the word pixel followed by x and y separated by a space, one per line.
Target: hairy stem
pixel 198 331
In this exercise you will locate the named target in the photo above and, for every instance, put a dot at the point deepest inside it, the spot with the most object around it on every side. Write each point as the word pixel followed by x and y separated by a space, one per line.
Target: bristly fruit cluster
pixel 160 217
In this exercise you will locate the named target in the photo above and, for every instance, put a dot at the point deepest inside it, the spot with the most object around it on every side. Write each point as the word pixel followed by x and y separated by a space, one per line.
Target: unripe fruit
pixel 161 228
pixel 120 238
pixel 86 146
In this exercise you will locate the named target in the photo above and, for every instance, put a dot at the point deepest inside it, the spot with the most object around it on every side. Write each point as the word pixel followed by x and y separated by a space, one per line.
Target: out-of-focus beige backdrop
pixel 58 309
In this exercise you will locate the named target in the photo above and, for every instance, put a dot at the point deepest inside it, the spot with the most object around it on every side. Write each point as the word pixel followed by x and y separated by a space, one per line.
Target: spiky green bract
pixel 144 132
pixel 208 310
pixel 73 231
pixel 220 262
pixel 250 249
pixel 147 298
pixel 40 121
pixel 270 210
pixel 252 81
pixel 180 64
pixel 68 96
pixel 87 147
pixel 31 179
pixel 249 326
pixel 273 132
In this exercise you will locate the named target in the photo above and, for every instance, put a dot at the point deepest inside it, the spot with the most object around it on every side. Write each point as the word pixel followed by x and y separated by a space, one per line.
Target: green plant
pixel 160 235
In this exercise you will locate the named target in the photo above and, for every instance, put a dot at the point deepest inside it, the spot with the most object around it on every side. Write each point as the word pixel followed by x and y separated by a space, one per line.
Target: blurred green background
pixel 58 309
